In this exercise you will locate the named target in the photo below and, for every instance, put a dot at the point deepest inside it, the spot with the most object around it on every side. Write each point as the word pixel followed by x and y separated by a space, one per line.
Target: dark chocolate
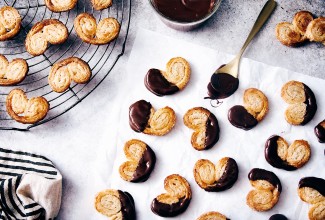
pixel 222 85
pixel 278 217
pixel 127 205
pixel 145 166
pixel 139 113
pixel 261 174
pixel 311 107
pixel 239 117
pixel 228 178
pixel 184 10
pixel 156 83
pixel 212 131
pixel 313 182
pixel 320 132
pixel 169 210
pixel 272 157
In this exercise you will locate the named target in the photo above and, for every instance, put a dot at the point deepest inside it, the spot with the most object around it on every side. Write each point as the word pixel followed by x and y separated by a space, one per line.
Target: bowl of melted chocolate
pixel 184 14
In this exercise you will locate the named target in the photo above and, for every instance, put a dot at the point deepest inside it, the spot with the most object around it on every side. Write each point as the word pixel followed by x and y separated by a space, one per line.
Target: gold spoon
pixel 224 82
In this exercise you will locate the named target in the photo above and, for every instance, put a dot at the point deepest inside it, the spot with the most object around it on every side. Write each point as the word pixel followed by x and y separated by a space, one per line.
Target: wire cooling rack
pixel 101 59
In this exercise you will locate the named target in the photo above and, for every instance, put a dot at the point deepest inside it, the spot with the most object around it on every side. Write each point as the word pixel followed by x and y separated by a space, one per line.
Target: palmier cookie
pixel 143 118
pixel 115 204
pixel 255 108
pixel 280 155
pixel 205 126
pixel 267 190
pixel 60 5
pixel 301 21
pixel 301 100
pixel 12 73
pixel 320 131
pixel 10 22
pixel 278 217
pixel 312 191
pixel 172 80
pixel 101 4
pixel 212 216
pixel 90 32
pixel 216 178
pixel 33 110
pixel 47 31
pixel 177 198
pixel 67 70
pixel 141 161
pixel 316 30
pixel 285 32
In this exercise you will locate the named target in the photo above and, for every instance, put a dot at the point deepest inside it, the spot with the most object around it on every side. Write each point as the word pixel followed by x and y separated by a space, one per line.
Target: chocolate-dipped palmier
pixel 205 126
pixel 320 131
pixel 212 216
pixel 141 161
pixel 278 217
pixel 177 198
pixel 267 190
pixel 216 178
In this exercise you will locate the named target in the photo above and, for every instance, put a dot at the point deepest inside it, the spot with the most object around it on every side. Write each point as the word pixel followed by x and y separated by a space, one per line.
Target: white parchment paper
pixel 174 151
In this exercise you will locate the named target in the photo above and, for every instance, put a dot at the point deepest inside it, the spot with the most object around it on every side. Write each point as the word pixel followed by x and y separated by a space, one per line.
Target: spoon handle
pixel 261 19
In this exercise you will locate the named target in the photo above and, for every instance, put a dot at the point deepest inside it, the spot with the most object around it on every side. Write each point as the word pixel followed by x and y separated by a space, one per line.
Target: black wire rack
pixel 101 59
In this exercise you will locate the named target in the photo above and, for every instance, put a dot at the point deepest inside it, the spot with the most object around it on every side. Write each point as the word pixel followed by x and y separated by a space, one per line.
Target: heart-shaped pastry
pixel 60 5
pixel 10 22
pixel 316 30
pixel 212 216
pixel 285 32
pixel 33 110
pixel 216 178
pixel 12 73
pixel 177 198
pixel 90 32
pixel 280 155
pixel 320 131
pixel 301 100
pixel 144 118
pixel 115 204
pixel 267 190
pixel 312 191
pixel 301 21
pixel 168 82
pixel 101 4
pixel 47 31
pixel 205 126
pixel 67 70
pixel 255 108
pixel 141 162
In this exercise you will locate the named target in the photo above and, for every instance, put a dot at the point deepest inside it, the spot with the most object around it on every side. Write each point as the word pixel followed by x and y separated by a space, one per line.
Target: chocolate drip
pixel 145 166
pixel 228 178
pixel 212 131
pixel 311 107
pixel 260 174
pixel 169 210
pixel 271 154
pixel 313 182
pixel 156 83
pixel 184 10
pixel 127 205
pixel 278 217
pixel 222 85
pixel 139 113
pixel 320 132
pixel 239 117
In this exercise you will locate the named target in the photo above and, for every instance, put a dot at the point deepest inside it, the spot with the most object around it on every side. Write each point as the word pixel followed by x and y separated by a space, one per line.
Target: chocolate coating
pixel 320 132
pixel 222 85
pixel 212 131
pixel 228 178
pixel 184 10
pixel 311 107
pixel 239 117
pixel 145 166
pixel 272 157
pixel 260 174
pixel 156 83
pixel 313 182
pixel 127 205
pixel 169 210
pixel 139 113
pixel 278 217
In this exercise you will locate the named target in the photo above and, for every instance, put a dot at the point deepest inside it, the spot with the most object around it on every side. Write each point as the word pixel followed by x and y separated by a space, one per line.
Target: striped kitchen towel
pixel 30 186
